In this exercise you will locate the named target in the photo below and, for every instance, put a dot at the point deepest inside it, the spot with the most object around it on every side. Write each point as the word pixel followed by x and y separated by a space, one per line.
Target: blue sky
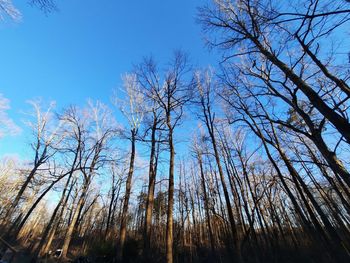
pixel 81 51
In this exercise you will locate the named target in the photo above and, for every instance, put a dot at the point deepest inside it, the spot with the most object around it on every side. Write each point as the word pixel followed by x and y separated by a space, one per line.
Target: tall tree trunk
pixel 45 248
pixel 169 223
pixel 37 201
pixel 124 215
pixel 75 216
pixel 51 222
pixel 206 206
pixel 339 122
pixel 112 207
pixel 209 121
pixel 150 194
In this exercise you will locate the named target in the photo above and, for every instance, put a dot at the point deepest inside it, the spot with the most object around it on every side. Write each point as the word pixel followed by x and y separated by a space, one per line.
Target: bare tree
pixel 154 119
pixel 205 93
pixel 171 97
pixel 249 26
pixel 133 111
pixel 96 129
pixel 46 137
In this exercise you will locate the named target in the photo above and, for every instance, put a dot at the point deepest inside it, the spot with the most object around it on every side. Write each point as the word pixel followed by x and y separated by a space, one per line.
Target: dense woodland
pixel 263 175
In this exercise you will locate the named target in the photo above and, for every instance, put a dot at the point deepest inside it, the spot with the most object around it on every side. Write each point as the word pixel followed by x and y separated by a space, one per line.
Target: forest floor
pixel 23 256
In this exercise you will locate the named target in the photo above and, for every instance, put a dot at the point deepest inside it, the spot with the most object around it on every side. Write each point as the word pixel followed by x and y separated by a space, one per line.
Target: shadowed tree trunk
pixel 124 216
pixel 150 194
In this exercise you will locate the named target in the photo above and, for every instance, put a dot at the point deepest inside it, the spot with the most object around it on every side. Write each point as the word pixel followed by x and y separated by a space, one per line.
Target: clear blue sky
pixel 81 51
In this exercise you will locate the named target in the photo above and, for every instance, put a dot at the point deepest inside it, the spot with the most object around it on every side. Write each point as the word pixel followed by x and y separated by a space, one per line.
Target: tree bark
pixel 150 194
pixel 124 217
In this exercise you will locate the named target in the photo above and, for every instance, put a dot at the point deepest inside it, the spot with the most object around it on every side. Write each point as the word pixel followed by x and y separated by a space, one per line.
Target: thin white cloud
pixel 7 125
pixel 7 9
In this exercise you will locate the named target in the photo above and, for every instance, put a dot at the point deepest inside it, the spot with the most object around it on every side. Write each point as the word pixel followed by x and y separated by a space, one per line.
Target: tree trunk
pixel 340 123
pixel 150 194
pixel 124 216
pixel 74 219
pixel 206 206
pixel 169 227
